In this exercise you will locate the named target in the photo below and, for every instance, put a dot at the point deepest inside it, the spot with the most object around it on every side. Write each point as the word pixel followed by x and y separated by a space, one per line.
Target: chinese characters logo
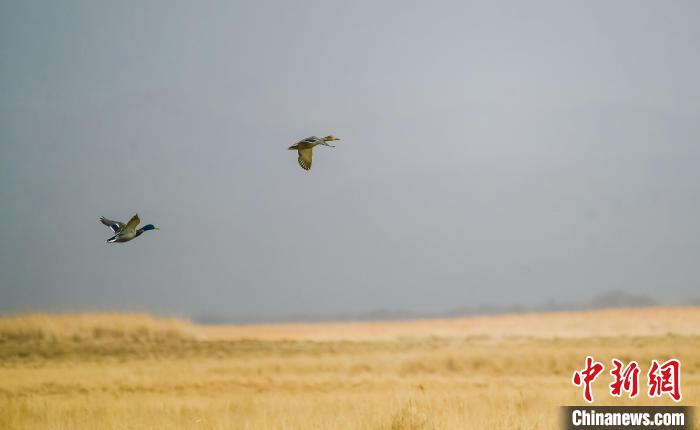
pixel 662 378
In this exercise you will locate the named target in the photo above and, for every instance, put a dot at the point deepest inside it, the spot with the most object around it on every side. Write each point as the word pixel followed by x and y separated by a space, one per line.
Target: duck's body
pixel 126 232
pixel 305 148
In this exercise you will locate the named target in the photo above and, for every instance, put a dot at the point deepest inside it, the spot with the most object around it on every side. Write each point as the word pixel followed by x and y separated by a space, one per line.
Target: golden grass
pixel 136 372
pixel 91 326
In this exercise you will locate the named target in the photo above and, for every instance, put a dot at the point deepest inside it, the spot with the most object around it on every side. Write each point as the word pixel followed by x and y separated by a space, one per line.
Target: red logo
pixel 662 378
pixel 626 379
pixel 587 376
pixel 665 379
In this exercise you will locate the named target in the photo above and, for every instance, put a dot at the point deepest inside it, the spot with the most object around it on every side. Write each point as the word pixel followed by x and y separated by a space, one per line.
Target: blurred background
pixel 494 156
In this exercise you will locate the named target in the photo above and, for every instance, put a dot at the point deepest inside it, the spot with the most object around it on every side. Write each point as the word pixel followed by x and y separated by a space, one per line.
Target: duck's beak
pixel 157 228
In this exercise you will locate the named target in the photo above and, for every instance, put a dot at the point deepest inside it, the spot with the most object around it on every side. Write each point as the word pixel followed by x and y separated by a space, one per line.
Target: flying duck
pixel 305 148
pixel 126 232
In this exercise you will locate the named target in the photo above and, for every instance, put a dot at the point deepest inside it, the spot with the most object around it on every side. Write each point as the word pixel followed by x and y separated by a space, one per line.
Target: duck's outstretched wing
pixel 305 158
pixel 131 225
pixel 114 225
pixel 309 140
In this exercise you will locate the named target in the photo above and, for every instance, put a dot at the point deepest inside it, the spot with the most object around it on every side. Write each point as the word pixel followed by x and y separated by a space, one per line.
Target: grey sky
pixel 491 151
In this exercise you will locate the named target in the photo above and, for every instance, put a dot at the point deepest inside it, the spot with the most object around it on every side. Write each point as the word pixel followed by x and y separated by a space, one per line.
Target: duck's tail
pixel 111 239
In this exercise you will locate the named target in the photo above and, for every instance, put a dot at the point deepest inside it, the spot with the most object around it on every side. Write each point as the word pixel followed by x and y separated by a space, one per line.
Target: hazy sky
pixel 491 152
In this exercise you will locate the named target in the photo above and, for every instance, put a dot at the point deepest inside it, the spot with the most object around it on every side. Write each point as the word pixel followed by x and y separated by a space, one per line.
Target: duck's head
pixel 330 138
pixel 149 227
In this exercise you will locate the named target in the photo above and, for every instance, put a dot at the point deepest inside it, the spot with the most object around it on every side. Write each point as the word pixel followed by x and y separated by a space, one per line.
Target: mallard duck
pixel 306 146
pixel 126 232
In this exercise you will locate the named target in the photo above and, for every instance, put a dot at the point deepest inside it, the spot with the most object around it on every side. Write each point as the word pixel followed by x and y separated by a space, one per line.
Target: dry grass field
pixel 111 371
